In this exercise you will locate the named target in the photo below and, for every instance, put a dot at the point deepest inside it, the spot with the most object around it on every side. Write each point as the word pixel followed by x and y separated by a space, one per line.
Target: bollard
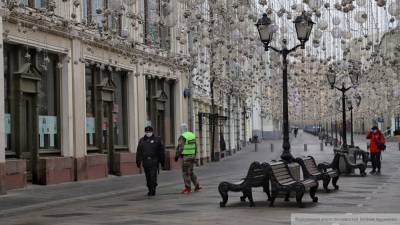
pixel 321 146
pixel 305 147
pixel 272 147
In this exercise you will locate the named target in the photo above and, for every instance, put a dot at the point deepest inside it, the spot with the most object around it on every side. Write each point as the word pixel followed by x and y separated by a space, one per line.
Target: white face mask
pixel 149 134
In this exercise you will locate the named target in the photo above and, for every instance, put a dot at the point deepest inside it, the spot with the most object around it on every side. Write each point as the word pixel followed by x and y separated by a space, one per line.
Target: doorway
pixel 107 144
pixel 27 149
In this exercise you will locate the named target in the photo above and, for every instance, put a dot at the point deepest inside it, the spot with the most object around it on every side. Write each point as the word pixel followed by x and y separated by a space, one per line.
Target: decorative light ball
pixel 299 8
pixel 315 43
pixel 315 4
pixel 323 25
pixel 236 35
pixel 347 35
pixel 317 34
pixel 336 32
pixel 275 28
pixel 381 3
pixel 336 20
pixel 361 17
pixel 361 3
pixel 262 2
pixel 394 8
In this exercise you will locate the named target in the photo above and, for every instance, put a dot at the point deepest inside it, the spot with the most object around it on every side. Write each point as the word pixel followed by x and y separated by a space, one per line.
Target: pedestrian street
pixel 127 202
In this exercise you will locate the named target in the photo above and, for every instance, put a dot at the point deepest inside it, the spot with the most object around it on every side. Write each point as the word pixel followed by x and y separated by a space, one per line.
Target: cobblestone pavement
pixel 123 200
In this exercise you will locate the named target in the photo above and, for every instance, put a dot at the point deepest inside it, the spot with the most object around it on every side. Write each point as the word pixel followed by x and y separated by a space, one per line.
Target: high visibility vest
pixel 189 148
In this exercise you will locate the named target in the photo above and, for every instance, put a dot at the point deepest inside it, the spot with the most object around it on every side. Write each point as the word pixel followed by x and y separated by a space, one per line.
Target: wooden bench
pixel 282 181
pixel 311 171
pixel 256 177
pixel 349 165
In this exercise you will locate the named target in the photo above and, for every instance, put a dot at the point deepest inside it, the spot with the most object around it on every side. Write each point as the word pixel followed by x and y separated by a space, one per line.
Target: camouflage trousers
pixel 187 172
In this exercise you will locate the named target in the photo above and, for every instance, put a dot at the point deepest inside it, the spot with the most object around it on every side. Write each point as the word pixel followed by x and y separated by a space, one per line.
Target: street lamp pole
pixel 351 122
pixel 303 25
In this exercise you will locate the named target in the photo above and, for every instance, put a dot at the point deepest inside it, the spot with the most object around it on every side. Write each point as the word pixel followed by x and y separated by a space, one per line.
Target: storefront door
pixel 107 134
pixel 28 150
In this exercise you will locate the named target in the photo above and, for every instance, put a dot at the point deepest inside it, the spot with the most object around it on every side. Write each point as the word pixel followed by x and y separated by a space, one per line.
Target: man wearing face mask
pixel 377 141
pixel 150 153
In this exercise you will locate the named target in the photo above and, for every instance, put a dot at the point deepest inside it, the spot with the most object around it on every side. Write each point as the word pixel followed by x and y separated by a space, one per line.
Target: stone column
pixel 66 111
pixel 132 112
pixel 141 101
pixel 2 131
pixel 79 111
pixel 180 106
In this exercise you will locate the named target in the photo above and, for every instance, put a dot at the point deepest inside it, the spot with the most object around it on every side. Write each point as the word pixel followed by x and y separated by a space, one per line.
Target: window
pixel 93 11
pixel 156 34
pixel 93 77
pixel 35 3
pixel 90 106
pixel 119 109
pixel 48 104
pixel 7 96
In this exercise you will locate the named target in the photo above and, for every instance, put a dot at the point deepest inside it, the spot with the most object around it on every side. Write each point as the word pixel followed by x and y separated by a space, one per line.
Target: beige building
pixel 81 81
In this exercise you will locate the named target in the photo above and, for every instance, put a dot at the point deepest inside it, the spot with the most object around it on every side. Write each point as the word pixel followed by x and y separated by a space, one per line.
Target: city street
pixel 123 200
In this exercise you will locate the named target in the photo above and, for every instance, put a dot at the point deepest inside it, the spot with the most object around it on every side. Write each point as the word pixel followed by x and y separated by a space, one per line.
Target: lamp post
pixel 358 101
pixel 266 29
pixel 354 80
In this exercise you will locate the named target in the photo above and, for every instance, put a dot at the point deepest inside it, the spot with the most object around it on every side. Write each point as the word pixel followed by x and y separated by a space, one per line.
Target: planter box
pixel 15 176
pixel 125 164
pixel 170 163
pixel 56 170
pixel 3 189
pixel 90 167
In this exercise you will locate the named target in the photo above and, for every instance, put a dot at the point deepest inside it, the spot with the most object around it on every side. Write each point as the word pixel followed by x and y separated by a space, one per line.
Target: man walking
pixel 187 151
pixel 377 140
pixel 150 153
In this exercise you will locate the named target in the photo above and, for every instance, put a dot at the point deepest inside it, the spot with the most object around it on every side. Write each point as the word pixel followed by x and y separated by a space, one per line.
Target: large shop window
pixel 90 106
pixel 7 96
pixel 156 33
pixel 15 57
pixel 48 101
pixel 119 111
pixel 160 105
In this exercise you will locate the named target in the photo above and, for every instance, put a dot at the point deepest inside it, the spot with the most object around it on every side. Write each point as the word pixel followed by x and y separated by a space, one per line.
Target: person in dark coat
pixel 150 153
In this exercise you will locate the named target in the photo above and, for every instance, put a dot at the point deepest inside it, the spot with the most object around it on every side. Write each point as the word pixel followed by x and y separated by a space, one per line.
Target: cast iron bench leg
pixel 334 181
pixel 313 190
pixel 223 191
pixel 273 197
pixel 299 197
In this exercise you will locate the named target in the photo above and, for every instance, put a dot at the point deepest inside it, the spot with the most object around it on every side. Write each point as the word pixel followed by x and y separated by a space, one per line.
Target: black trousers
pixel 376 160
pixel 151 177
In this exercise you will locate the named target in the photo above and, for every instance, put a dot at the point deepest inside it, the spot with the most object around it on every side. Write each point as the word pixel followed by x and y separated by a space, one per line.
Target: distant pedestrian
pixel 187 151
pixel 150 153
pixel 295 131
pixel 376 146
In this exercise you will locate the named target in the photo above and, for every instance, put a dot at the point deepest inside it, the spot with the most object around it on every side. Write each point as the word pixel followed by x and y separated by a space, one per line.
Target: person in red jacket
pixel 376 138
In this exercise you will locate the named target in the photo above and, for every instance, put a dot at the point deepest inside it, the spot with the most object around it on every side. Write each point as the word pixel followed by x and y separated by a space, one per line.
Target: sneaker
pixel 197 188
pixel 372 172
pixel 186 191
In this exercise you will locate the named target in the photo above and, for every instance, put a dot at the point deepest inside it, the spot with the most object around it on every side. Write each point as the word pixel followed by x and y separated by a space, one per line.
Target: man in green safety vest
pixel 187 151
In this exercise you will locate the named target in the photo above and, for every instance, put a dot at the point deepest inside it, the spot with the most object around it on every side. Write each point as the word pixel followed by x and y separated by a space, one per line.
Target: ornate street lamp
pixel 354 75
pixel 266 29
